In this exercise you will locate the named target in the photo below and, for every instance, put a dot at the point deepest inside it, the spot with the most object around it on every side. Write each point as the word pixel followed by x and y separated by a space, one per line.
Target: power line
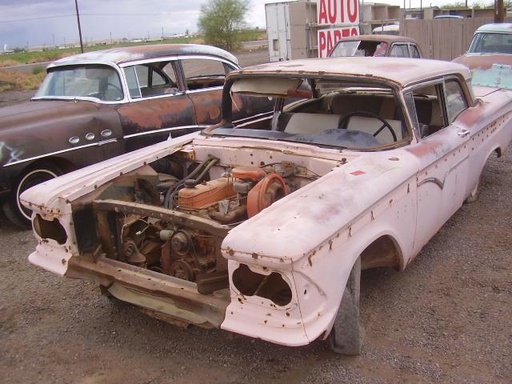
pixel 84 14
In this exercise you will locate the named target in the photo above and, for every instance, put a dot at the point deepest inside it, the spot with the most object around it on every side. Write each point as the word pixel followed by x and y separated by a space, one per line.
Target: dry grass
pixel 14 80
pixel 8 62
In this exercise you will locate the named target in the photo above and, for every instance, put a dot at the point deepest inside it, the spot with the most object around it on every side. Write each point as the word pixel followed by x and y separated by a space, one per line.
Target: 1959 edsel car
pixel 262 227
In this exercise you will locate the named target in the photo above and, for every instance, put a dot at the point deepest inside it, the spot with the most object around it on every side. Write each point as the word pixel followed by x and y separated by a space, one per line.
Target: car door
pixel 204 78
pixel 158 104
pixel 442 154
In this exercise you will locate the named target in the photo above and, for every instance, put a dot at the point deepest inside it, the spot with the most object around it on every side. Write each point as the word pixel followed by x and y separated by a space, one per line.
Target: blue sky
pixel 53 22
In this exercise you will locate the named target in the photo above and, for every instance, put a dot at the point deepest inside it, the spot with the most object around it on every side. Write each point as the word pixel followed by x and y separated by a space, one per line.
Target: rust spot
pixel 330 245
pixel 231 252
pixel 265 321
pixel 309 261
pixel 287 314
pixel 254 255
pixel 63 261
pixel 240 300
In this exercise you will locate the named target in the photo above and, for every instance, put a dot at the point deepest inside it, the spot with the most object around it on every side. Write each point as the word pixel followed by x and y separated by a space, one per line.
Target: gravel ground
pixel 446 319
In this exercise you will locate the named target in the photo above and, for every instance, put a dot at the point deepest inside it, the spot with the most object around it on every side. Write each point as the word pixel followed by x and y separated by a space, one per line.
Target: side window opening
pixel 414 51
pixel 455 99
pixel 399 50
pixel 133 83
pixel 428 109
pixel 146 81
pixel 204 73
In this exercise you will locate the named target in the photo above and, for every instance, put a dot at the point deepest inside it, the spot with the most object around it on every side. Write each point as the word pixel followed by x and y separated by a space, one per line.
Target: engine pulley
pixel 182 270
pixel 267 191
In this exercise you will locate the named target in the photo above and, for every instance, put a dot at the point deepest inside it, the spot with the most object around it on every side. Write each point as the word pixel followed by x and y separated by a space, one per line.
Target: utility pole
pixel 499 11
pixel 80 28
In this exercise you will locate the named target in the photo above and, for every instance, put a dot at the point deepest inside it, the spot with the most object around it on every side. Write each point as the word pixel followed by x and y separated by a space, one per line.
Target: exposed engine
pixel 174 223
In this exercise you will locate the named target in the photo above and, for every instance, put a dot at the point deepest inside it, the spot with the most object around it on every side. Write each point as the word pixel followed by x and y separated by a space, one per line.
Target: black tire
pixel 345 337
pixel 13 210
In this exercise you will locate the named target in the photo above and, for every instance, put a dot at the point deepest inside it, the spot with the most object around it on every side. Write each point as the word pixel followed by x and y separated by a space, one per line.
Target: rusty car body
pixel 491 44
pixel 262 227
pixel 100 104
pixel 376 46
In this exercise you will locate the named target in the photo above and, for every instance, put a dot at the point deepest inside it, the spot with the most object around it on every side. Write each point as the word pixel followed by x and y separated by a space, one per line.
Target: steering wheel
pixel 385 124
pixel 114 92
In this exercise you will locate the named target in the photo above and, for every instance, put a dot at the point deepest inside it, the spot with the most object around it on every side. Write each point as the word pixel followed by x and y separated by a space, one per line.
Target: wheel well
pixel 383 252
pixel 62 164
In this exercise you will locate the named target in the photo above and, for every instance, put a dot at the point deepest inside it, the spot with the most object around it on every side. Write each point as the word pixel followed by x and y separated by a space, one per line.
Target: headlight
pixel 50 229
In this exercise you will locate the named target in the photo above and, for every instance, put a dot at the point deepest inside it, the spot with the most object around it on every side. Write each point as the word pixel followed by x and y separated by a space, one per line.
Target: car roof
pixel 122 55
pixel 401 71
pixel 386 38
pixel 496 28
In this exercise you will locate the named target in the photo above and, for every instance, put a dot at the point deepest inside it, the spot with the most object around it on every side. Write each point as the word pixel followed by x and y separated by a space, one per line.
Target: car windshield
pixel 491 43
pixel 82 81
pixel 359 48
pixel 325 112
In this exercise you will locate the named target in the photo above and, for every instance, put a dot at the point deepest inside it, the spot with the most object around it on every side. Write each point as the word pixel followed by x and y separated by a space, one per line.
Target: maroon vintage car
pixel 98 105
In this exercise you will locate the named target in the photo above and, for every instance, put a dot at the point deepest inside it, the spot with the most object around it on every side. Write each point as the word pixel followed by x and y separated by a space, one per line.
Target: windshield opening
pixel 340 113
pixel 491 43
pixel 85 81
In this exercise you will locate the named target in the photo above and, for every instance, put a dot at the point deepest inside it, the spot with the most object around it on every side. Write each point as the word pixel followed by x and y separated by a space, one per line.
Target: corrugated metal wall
pixel 443 39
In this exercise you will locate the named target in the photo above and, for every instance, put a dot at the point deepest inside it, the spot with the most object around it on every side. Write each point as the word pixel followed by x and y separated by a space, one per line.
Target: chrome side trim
pixel 97 144
pixel 438 182
pixel 164 130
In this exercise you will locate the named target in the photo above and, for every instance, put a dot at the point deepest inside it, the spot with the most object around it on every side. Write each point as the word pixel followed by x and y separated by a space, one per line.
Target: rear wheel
pixel 345 336
pixel 13 209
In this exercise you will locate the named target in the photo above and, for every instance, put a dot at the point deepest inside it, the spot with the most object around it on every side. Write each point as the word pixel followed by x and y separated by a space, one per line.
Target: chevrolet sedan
pixel 262 227
pixel 98 105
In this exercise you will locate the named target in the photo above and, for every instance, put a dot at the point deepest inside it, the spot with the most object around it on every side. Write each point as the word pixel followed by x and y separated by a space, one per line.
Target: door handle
pixel 463 132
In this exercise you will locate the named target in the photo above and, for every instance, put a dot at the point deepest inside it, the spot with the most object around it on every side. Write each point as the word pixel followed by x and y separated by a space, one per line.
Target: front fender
pixel 313 238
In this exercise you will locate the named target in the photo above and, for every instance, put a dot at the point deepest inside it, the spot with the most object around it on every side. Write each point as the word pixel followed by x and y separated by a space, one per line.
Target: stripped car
pixel 262 227
pixel 101 104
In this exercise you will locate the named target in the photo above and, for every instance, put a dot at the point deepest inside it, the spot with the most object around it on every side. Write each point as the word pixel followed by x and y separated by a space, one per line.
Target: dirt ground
pixel 446 319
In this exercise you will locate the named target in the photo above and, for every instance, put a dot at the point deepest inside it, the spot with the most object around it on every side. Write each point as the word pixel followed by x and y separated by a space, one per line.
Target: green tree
pixel 222 21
